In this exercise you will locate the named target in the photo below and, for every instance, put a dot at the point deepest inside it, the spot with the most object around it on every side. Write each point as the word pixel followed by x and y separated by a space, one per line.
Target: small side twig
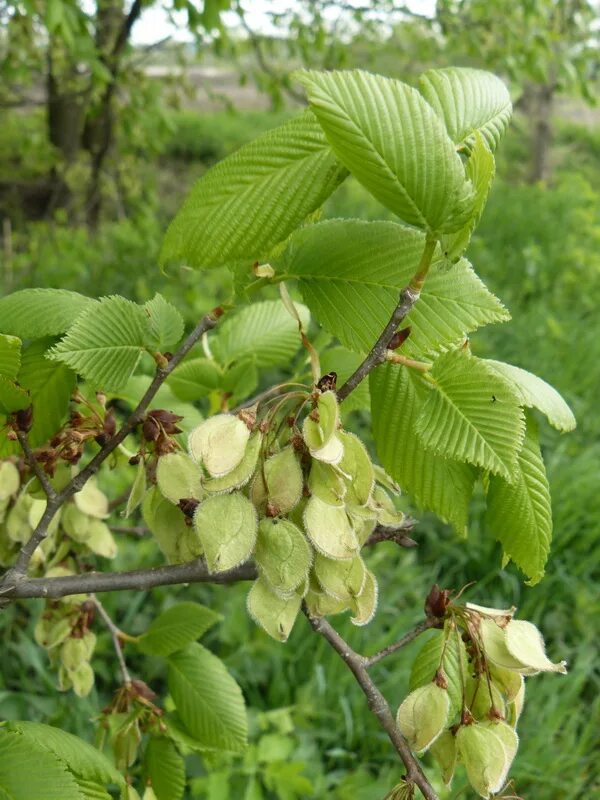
pixel 39 473
pixel 116 638
pixel 376 701
pixel 140 579
pixel 423 626
pixel 19 570
pixel 408 297
pixel 398 535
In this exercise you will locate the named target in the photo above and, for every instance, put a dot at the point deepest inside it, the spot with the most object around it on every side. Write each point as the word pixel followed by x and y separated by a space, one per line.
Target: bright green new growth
pixel 280 488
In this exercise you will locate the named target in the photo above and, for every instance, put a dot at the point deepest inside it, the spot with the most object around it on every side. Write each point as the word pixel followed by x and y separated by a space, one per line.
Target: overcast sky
pixel 154 23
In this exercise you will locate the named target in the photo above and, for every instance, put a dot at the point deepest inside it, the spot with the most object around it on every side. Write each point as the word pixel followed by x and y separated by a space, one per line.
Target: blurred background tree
pixel 103 131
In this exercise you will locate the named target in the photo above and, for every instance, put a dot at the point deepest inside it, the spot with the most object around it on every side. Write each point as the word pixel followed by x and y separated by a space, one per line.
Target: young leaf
pixel 79 757
pixel 436 483
pixel 393 142
pixel 138 489
pixel 468 100
pixel 208 700
pixel 227 527
pixel 33 313
pixel 252 200
pixel 10 356
pixel 30 771
pixel 481 169
pixel 472 415
pixel 105 342
pixel 282 554
pixel 164 768
pixel 177 627
pixel 535 393
pixel 262 330
pixel 350 273
pixel 194 378
pixel 519 514
pixel 447 651
pixel 49 387
pixel 12 396
pixel 166 323
pixel 272 612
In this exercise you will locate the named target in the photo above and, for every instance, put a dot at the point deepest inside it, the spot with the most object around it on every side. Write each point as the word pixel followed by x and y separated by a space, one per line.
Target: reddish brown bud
pixel 24 419
pixel 440 679
pixel 437 602
pixel 161 419
pixel 328 382
pixel 399 338
pixel 110 424
pixel 142 689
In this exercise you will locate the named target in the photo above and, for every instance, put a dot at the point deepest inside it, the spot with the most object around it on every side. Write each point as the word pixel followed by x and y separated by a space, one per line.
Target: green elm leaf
pixel 33 313
pixel 536 393
pixel 472 415
pixel 177 627
pixel 394 143
pixel 194 379
pixel 208 700
pixel 29 771
pixel 437 484
pixel 252 200
pixel 468 101
pixel 519 514
pixel 105 342
pixel 10 356
pixel 164 768
pixel 443 649
pixel 166 323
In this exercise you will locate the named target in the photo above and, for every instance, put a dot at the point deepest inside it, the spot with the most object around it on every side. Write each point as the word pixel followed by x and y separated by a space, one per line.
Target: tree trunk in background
pixel 65 100
pixel 98 133
pixel 541 105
